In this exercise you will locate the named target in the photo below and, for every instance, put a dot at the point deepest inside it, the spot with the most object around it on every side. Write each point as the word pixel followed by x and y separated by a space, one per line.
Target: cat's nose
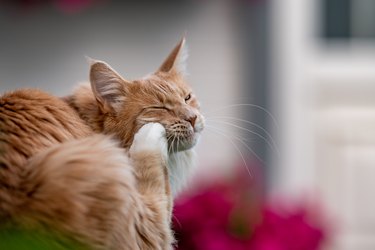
pixel 192 120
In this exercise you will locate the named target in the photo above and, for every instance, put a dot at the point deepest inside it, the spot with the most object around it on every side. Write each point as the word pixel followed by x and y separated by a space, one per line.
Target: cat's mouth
pixel 181 137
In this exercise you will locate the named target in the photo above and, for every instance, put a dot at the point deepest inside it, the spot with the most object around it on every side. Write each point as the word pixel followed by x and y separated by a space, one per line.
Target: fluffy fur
pixel 100 166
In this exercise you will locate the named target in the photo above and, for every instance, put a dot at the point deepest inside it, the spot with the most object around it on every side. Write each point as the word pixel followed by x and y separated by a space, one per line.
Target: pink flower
pixel 232 215
pixel 289 231
pixel 66 6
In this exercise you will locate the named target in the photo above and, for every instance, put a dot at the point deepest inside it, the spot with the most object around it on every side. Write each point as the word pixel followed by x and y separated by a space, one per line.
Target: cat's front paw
pixel 150 138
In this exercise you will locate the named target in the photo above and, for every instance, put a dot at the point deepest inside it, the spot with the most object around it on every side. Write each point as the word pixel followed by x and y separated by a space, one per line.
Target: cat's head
pixel 162 97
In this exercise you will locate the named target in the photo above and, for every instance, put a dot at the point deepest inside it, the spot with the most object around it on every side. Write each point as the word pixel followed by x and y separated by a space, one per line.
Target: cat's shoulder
pixel 29 99
pixel 37 106
pixel 27 95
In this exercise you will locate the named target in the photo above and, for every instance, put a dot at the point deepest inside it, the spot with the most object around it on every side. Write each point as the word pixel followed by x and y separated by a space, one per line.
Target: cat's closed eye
pixel 158 107
pixel 188 97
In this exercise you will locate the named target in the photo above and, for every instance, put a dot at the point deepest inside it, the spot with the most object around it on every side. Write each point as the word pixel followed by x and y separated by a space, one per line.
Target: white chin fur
pixel 182 145
pixel 180 166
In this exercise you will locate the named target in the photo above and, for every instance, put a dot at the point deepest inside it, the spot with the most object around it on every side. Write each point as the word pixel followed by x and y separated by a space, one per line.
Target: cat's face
pixel 168 100
pixel 162 97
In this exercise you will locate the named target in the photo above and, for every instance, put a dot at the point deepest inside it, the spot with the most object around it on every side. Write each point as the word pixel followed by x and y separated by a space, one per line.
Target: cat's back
pixel 31 120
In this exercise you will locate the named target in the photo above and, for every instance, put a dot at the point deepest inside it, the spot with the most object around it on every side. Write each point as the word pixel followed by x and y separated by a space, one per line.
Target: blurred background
pixel 287 88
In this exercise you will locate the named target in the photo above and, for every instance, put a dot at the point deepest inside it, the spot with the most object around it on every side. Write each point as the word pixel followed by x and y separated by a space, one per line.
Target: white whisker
pixel 178 143
pixel 272 145
pixel 242 120
pixel 251 105
pixel 171 145
pixel 218 131
pixel 242 142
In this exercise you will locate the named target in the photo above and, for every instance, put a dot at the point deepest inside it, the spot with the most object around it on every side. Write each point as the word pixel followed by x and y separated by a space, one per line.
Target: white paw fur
pixel 150 138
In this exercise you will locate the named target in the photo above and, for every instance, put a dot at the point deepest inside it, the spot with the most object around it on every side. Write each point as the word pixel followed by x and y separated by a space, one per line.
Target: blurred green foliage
pixel 17 239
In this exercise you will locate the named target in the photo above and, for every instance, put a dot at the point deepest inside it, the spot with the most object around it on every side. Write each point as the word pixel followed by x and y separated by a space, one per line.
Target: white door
pixel 325 98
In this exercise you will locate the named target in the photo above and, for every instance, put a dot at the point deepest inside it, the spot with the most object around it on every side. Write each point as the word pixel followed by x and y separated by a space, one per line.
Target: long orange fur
pixel 65 163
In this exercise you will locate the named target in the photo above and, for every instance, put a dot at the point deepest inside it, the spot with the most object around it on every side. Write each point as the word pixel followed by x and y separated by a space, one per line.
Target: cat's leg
pixel 149 155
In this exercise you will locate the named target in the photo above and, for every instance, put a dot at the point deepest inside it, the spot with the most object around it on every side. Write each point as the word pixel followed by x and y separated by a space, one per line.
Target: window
pixel 347 19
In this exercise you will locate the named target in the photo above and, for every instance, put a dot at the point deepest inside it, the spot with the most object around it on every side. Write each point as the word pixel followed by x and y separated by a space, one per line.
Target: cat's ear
pixel 176 61
pixel 107 85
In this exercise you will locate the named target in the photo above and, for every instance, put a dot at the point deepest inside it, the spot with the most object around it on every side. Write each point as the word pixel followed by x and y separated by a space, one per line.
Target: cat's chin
pixel 184 143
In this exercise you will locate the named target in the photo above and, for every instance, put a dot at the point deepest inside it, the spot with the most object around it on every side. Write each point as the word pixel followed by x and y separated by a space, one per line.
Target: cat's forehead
pixel 168 86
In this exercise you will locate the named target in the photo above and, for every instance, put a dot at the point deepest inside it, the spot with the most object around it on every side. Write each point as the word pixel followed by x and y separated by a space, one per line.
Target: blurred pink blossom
pixel 232 215
pixel 65 6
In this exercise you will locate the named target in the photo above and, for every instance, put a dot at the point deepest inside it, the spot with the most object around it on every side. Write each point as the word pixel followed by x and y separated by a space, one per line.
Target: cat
pixel 102 165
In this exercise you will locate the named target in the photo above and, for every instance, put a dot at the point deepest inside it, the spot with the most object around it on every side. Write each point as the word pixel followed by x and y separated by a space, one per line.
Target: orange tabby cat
pixel 101 165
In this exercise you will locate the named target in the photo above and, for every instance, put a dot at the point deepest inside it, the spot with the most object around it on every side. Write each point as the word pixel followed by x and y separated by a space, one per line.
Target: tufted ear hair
pixel 176 61
pixel 108 86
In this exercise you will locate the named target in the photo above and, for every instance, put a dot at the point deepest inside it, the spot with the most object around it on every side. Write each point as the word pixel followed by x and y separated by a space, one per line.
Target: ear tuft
pixel 91 60
pixel 181 61
pixel 107 85
pixel 176 61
